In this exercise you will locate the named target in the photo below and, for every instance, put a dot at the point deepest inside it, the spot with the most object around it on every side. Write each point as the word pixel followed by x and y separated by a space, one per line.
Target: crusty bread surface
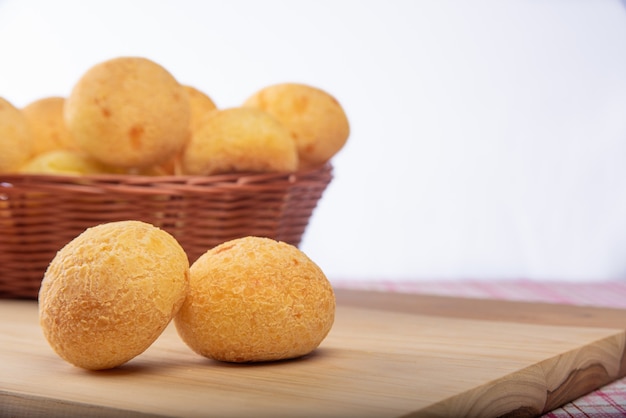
pixel 255 299
pixel 314 118
pixel 47 125
pixel 129 112
pixel 110 292
pixel 238 140
pixel 16 141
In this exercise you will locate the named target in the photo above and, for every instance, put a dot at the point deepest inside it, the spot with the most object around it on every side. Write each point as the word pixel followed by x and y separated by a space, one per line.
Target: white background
pixel 488 137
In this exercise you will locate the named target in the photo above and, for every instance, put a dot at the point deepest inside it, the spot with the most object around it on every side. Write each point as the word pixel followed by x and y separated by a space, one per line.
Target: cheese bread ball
pixel 16 141
pixel 201 104
pixel 45 118
pixel 110 292
pixel 239 139
pixel 129 112
pixel 255 299
pixel 66 162
pixel 314 118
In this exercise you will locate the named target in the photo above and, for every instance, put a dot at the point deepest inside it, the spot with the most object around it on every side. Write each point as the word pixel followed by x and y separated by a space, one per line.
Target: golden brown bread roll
pixel 16 141
pixel 201 104
pixel 110 292
pixel 239 139
pixel 45 118
pixel 315 119
pixel 255 299
pixel 129 112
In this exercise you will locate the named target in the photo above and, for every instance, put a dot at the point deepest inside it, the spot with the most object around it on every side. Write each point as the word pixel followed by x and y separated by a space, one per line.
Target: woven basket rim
pixel 239 177
pixel 166 184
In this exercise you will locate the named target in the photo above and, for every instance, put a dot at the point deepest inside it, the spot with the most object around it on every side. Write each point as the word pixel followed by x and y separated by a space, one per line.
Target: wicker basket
pixel 40 214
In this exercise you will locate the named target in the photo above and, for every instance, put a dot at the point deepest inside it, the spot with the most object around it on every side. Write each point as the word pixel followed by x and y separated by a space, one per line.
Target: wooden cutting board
pixel 388 355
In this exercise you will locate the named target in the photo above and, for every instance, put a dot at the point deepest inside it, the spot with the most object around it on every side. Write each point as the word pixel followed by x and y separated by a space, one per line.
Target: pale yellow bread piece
pixel 16 141
pixel 255 299
pixel 110 292
pixel 239 139
pixel 47 125
pixel 66 162
pixel 314 118
pixel 129 112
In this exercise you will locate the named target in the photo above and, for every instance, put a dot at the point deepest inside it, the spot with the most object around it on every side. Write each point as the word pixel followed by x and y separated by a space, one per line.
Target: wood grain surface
pixel 388 355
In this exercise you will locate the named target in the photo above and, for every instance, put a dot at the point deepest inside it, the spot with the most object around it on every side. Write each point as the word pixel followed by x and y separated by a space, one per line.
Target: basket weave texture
pixel 39 214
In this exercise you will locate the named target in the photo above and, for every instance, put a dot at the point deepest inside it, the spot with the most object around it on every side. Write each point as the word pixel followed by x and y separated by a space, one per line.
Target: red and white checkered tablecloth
pixel 606 402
